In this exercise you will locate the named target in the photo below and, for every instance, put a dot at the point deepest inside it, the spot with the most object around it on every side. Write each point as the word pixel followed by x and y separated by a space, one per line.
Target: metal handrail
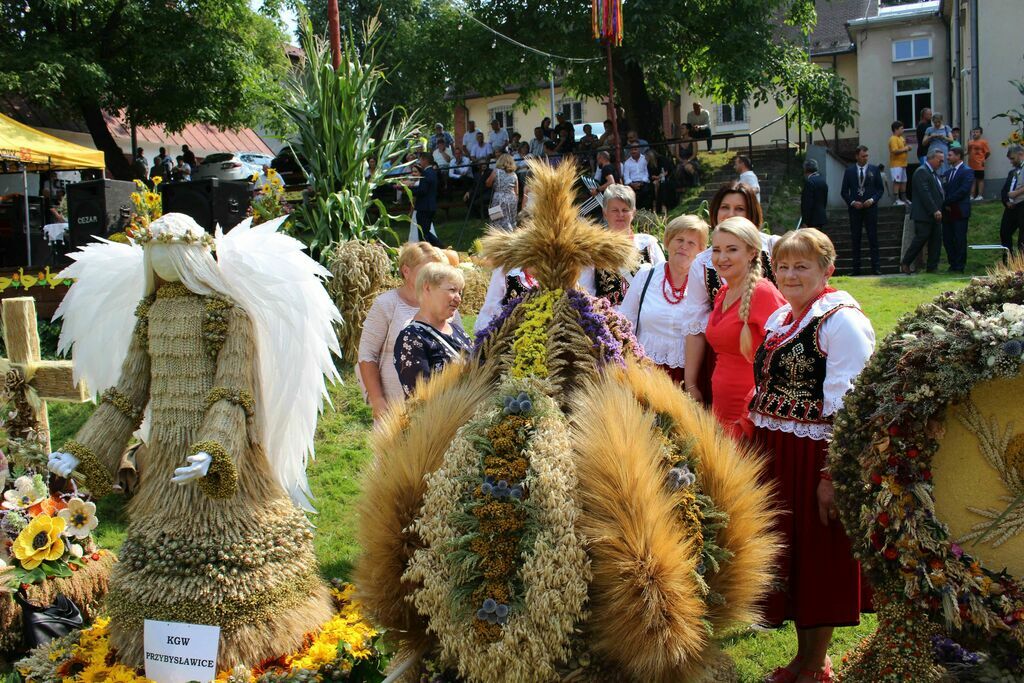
pixel 750 135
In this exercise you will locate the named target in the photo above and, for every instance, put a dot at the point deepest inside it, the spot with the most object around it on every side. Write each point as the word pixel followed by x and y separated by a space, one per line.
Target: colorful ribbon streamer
pixel 606 21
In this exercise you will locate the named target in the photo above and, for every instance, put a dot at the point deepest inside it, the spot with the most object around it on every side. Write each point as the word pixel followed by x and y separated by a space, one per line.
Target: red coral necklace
pixel 673 294
pixel 775 340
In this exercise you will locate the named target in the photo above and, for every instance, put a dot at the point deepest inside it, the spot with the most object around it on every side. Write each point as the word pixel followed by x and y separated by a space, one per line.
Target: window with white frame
pixel 504 116
pixel 912 48
pixel 731 116
pixel 910 96
pixel 572 110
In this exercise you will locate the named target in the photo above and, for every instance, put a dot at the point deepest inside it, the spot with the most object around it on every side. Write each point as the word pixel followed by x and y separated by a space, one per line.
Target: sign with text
pixel 180 653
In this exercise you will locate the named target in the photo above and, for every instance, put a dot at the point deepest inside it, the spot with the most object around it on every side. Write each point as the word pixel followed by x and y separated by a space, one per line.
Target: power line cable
pixel 465 13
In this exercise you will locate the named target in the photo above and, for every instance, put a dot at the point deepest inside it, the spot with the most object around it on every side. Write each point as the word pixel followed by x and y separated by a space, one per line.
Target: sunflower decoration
pixel 556 509
pixel 39 541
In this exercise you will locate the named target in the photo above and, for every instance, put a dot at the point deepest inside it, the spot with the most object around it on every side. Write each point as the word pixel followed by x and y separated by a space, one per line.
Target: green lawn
pixel 342 445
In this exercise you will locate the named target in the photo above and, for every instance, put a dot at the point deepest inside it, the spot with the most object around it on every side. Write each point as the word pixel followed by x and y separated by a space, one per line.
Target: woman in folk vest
pixel 814 348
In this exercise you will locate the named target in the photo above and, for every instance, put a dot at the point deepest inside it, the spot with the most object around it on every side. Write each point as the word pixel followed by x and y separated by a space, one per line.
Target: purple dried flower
pixel 495 323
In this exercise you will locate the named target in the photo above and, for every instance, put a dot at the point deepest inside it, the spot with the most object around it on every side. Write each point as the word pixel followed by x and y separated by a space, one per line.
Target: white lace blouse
pixel 847 340
pixel 661 323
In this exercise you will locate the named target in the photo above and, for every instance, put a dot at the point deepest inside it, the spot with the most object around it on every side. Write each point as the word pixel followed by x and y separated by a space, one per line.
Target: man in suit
pixel 956 209
pixel 813 198
pixel 862 189
pixel 1012 196
pixel 926 212
pixel 425 194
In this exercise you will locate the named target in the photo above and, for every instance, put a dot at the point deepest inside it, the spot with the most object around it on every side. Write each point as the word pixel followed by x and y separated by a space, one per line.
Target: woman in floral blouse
pixel 432 339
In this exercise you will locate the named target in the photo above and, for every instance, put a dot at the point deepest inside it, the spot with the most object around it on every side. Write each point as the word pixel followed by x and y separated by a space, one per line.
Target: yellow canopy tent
pixel 30 151
pixel 41 152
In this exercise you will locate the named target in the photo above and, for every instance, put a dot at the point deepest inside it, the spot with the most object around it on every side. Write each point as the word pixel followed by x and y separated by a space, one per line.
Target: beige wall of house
pixel 483 109
pixel 999 61
pixel 724 120
pixel 890 87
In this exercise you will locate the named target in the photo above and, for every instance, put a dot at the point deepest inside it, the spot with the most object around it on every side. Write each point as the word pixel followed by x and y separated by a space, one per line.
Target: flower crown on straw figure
pixel 171 229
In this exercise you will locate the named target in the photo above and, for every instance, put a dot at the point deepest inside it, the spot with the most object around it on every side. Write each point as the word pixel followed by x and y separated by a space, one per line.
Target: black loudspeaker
pixel 210 201
pixel 98 208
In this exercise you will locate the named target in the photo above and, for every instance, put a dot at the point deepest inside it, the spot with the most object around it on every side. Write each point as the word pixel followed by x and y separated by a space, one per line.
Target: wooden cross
pixel 51 379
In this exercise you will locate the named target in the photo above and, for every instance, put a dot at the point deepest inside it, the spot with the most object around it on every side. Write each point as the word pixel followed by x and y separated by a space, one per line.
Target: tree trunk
pixel 113 156
pixel 643 113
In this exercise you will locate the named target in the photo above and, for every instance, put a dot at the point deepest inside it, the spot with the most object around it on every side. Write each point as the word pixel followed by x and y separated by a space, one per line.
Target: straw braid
pixel 746 337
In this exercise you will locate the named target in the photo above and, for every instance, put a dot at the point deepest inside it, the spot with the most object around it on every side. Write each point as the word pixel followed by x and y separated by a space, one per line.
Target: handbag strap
pixel 643 295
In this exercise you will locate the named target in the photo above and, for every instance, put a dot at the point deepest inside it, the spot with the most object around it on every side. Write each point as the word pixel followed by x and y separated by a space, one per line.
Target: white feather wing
pixel 98 311
pixel 281 288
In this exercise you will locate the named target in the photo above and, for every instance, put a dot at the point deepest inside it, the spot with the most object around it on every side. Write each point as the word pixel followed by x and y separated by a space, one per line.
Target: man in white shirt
pixel 460 171
pixel 442 156
pixel 499 137
pixel 481 152
pixel 537 143
pixel 469 137
pixel 744 167
pixel 634 174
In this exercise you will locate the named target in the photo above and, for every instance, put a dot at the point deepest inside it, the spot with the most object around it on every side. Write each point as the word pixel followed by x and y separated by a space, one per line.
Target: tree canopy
pixel 731 50
pixel 168 63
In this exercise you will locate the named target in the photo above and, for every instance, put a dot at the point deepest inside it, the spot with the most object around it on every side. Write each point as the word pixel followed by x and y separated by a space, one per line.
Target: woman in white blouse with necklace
pixel 390 312
pixel 654 301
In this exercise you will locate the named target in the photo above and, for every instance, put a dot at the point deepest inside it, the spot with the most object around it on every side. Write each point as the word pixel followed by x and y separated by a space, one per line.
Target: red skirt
pixel 819 581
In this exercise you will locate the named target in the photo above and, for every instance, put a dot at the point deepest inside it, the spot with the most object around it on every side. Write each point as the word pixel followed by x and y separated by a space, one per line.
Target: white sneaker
pixel 977 199
pixel 899 202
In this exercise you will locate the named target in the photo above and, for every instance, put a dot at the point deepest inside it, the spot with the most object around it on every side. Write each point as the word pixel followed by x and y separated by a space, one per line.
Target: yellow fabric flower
pixel 39 541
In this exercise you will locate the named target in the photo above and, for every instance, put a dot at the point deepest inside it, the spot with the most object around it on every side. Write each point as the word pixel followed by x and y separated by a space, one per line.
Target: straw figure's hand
pixel 199 465
pixel 62 464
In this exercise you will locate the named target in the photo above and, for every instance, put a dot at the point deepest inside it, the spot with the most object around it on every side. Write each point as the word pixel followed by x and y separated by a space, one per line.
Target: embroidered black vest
pixel 714 283
pixel 790 379
pixel 608 284
pixel 514 287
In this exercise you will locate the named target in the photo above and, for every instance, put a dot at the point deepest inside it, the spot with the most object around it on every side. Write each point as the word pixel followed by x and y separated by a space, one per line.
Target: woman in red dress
pixel 736 325
pixel 732 199
pixel 814 348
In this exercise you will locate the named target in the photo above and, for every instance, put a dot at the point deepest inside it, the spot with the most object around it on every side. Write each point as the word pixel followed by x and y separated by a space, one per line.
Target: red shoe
pixel 822 676
pixel 781 675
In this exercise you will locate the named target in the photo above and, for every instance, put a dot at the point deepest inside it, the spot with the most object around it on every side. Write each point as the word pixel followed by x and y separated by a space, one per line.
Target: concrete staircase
pixel 769 165
pixel 890 240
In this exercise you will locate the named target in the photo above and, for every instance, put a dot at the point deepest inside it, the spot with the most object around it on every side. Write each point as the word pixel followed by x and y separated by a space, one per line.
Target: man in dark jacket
pixel 425 193
pixel 1012 196
pixel 862 189
pixel 813 198
pixel 956 209
pixel 926 212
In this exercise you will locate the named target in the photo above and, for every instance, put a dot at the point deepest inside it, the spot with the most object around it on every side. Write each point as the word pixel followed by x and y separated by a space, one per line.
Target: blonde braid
pixel 746 336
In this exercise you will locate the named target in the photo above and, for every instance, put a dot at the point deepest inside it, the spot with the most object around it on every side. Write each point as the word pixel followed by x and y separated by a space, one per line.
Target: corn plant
pixel 339 130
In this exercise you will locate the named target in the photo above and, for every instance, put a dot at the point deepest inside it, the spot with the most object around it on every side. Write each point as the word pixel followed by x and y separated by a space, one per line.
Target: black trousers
pixel 1012 222
pixel 865 220
pixel 423 220
pixel 930 233
pixel 954 237
pixel 703 133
